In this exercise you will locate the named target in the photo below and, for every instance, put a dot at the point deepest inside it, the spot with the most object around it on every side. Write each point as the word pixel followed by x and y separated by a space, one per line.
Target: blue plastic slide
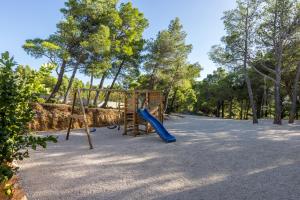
pixel 159 128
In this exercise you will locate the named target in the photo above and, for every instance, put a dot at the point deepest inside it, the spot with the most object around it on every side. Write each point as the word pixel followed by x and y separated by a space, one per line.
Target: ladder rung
pixel 143 124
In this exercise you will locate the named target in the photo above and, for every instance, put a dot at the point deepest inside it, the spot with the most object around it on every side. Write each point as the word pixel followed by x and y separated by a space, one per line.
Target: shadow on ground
pixel 213 159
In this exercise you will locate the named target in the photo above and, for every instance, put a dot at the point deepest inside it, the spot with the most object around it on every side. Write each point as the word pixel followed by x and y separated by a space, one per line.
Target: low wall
pixel 51 117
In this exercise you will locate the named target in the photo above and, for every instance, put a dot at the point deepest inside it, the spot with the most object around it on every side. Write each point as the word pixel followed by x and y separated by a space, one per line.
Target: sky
pixel 201 19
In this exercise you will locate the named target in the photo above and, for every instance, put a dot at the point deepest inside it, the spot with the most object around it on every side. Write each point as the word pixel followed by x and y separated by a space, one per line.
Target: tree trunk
pixel 278 47
pixel 283 109
pixel 269 113
pixel 99 87
pixel 247 111
pixel 152 79
pixel 112 85
pixel 223 109
pixel 172 83
pixel 278 107
pixel 70 83
pixel 166 103
pixel 242 109
pixel 218 109
pixel 173 100
pixel 251 99
pixel 58 82
pixel 91 86
pixel 258 106
pixel 197 106
pixel 267 110
pixel 265 99
pixel 248 82
pixel 277 116
pixel 294 96
pixel 230 108
pixel 261 114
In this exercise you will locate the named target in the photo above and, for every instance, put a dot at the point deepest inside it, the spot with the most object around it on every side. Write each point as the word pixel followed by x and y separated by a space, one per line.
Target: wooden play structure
pixel 134 100
pixel 129 102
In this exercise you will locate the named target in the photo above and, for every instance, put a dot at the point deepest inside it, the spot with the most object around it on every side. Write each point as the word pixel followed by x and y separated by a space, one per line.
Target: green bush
pixel 16 93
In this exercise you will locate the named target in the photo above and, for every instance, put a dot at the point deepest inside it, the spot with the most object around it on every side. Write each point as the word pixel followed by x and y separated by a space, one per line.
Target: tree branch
pixel 264 75
pixel 267 76
pixel 267 68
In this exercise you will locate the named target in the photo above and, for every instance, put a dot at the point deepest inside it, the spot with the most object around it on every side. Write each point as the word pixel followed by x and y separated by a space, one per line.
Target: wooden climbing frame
pixel 133 100
pixel 137 99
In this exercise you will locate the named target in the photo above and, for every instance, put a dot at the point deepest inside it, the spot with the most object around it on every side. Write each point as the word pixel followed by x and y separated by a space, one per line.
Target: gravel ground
pixel 213 159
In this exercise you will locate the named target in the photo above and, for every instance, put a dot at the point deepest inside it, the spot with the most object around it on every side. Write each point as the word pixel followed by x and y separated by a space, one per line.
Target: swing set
pixel 128 104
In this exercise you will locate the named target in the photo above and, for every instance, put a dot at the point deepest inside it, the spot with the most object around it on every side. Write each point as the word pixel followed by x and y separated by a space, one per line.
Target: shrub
pixel 16 93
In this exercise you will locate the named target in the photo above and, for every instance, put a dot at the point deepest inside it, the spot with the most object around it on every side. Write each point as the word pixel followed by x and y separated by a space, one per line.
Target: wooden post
pixel 147 99
pixel 135 106
pixel 161 108
pixel 147 106
pixel 71 118
pixel 125 113
pixel 85 120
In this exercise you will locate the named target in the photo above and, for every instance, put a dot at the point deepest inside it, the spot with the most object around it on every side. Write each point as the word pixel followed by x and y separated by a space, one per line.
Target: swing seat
pixel 93 130
pixel 112 127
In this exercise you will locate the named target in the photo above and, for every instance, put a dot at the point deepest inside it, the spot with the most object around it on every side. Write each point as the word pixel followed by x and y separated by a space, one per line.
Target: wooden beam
pixel 135 121
pixel 103 90
pixel 85 120
pixel 161 108
pixel 147 106
pixel 118 90
pixel 125 114
pixel 71 119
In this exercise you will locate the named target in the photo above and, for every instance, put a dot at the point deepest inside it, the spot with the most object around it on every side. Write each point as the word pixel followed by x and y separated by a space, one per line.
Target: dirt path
pixel 212 160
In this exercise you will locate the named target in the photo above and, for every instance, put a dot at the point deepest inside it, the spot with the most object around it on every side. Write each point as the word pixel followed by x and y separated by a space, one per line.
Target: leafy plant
pixel 16 93
pixel 37 78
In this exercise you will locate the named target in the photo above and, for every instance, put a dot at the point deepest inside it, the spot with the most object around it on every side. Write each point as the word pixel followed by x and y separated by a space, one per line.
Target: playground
pixel 150 100
pixel 212 159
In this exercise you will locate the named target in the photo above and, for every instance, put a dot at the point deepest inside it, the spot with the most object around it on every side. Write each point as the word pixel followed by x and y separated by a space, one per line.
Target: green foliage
pixel 168 69
pixel 128 42
pixel 17 90
pixel 50 48
pixel 87 30
pixel 185 100
pixel 218 88
pixel 104 38
pixel 38 79
pixel 238 44
pixel 167 57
